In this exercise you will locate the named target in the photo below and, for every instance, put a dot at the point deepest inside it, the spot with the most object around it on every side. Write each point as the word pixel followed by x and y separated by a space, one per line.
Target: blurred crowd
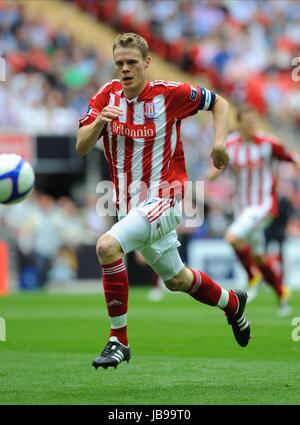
pixel 48 76
pixel 245 49
pixel 242 48
pixel 46 234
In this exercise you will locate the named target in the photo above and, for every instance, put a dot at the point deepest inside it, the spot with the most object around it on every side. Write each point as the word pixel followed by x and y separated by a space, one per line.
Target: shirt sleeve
pixel 280 152
pixel 96 104
pixel 190 99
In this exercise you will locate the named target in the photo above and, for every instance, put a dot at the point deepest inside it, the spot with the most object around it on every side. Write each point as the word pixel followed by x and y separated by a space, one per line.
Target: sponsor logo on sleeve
pixel 92 112
pixel 193 95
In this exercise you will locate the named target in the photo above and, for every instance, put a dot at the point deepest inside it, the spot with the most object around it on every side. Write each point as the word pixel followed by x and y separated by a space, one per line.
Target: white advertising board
pixel 216 258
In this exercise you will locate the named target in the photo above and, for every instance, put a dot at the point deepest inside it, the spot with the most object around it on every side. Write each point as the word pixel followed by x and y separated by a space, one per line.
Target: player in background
pixel 275 233
pixel 254 158
pixel 139 121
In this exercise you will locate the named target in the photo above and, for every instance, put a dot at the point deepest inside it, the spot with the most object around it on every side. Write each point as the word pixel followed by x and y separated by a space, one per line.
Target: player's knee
pixel 233 240
pixel 108 248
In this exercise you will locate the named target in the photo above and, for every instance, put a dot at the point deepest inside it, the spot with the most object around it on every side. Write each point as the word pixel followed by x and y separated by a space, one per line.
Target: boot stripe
pixel 121 354
pixel 241 319
pixel 117 354
pixel 116 358
pixel 245 326
pixel 242 322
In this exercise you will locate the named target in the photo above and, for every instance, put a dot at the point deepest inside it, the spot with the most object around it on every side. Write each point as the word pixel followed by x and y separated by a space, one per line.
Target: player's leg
pixel 156 293
pixel 280 257
pixel 115 285
pixel 128 234
pixel 238 236
pixel 202 288
pixel 243 251
pixel 269 271
pixel 162 255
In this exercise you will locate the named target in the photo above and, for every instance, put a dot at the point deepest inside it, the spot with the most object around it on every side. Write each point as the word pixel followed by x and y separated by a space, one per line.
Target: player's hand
pixel 219 156
pixel 110 113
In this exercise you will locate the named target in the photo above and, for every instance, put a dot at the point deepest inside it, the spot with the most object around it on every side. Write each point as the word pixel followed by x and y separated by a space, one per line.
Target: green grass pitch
pixel 183 353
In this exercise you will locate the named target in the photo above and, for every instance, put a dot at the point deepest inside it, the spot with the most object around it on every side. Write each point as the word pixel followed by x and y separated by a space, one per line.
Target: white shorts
pixel 250 226
pixel 150 229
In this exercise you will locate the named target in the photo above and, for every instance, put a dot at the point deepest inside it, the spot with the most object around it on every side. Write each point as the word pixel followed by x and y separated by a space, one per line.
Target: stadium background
pixel 57 55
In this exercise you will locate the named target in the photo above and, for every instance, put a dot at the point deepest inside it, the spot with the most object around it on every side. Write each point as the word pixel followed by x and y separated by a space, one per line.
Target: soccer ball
pixel 16 179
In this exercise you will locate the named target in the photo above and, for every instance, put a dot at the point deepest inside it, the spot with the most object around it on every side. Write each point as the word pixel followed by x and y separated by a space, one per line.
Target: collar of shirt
pixel 142 96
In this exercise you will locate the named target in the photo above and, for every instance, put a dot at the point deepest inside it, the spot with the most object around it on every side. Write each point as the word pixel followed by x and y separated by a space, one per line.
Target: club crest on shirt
pixel 150 110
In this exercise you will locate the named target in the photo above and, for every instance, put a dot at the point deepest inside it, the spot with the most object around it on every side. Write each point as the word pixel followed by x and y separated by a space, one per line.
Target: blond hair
pixel 132 40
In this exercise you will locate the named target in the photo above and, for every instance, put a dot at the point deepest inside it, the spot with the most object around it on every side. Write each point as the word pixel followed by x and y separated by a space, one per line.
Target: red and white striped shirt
pixel 254 166
pixel 143 146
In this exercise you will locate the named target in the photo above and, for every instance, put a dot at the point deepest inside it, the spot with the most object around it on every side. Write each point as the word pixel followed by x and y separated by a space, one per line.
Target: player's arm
pixel 280 152
pixel 213 173
pixel 88 135
pixel 220 111
pixel 189 100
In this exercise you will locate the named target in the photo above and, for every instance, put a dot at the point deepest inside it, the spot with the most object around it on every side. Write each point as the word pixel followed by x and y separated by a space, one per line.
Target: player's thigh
pixel 163 216
pixel 251 219
pixel 132 232
pixel 163 256
pixel 168 265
